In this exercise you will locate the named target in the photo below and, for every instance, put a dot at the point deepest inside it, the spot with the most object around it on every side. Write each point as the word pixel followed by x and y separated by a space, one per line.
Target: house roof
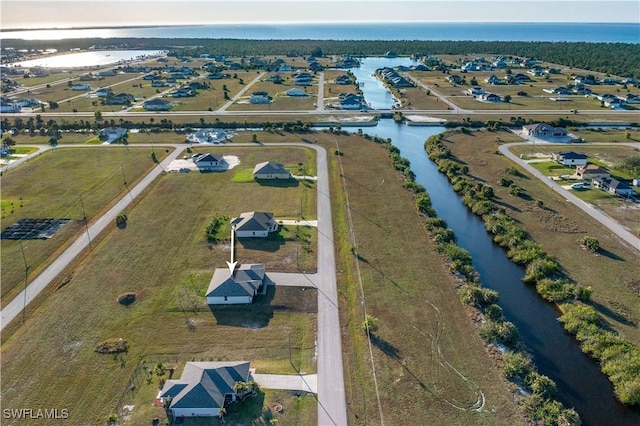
pixel 592 169
pixel 197 158
pixel 570 155
pixel 542 127
pixel 245 281
pixel 253 221
pixel 157 102
pixel 205 384
pixel 269 168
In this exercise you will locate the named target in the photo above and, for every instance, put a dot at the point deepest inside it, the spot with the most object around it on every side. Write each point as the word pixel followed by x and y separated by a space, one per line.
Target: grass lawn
pixel 558 226
pixel 551 168
pixel 50 186
pixel 409 289
pixel 608 135
pixel 417 98
pixel 67 138
pixel 163 257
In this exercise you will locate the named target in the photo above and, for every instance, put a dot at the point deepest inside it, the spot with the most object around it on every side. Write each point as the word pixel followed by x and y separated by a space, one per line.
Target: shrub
pixel 369 324
pixel 435 222
pixel 541 384
pixel 516 364
pixel 127 299
pixel 493 312
pixel 540 268
pixel 477 296
pixel 121 220
pixel 499 332
pixel 112 346
pixel 505 182
pixel 590 243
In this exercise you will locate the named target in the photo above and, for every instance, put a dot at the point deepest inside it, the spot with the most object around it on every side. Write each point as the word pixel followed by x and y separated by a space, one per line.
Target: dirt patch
pixel 112 346
pixel 554 221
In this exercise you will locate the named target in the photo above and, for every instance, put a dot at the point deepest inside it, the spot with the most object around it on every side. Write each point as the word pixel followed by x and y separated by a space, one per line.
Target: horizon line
pixel 89 27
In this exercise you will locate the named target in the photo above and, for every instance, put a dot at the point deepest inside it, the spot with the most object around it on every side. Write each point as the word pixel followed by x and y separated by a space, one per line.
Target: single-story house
pixel 350 103
pixel 259 98
pixel 543 129
pixel 207 161
pixel 246 282
pixel 270 170
pixel 493 80
pixel 454 79
pixel 591 171
pixel 570 158
pixel 119 99
pixel 275 78
pixel 204 388
pixel 254 224
pixel 81 87
pixel 343 79
pixel 475 91
pixel 112 133
pixel 159 83
pixel 157 105
pixel 296 92
pixel 103 92
pixel 490 97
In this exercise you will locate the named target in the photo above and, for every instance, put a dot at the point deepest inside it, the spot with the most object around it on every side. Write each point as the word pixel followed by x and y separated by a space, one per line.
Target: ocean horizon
pixel 424 31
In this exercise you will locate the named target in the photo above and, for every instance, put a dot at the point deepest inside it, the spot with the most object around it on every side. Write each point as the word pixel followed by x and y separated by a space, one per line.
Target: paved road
pixel 332 408
pixel 605 220
pixel 224 107
pixel 14 308
pixel 320 99
pixel 454 107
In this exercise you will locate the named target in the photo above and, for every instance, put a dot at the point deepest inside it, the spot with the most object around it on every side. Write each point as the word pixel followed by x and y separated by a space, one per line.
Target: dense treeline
pixel 614 58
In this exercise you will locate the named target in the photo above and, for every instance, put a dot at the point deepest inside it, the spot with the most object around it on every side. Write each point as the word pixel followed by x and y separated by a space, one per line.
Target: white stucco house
pixel 204 388
pixel 570 158
pixel 543 130
pixel 246 282
pixel 157 105
pixel 254 224
pixel 270 170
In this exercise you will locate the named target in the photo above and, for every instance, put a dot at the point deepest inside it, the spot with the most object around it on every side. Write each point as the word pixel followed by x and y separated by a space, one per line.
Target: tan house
pixel 591 171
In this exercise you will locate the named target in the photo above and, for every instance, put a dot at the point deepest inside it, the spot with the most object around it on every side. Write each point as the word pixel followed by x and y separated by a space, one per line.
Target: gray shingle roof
pixel 269 168
pixel 205 384
pixel 253 221
pixel 245 281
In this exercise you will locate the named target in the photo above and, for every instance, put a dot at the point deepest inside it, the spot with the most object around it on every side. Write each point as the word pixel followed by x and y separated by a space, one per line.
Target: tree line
pixel 612 58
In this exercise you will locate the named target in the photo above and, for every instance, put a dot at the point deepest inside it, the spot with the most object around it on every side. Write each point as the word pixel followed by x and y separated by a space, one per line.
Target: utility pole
pixel 86 224
pixel 26 279
pixel 124 178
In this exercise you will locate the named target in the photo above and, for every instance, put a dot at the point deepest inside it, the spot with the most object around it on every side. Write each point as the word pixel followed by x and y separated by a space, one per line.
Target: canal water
pixel 580 382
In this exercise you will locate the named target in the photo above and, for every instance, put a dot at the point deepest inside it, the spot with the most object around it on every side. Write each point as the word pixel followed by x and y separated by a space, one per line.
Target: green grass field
pixel 163 257
pixel 50 186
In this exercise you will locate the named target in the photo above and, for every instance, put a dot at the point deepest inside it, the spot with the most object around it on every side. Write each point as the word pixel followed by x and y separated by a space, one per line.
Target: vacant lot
pixel 557 226
pixel 58 184
pixel 163 257
pixel 425 334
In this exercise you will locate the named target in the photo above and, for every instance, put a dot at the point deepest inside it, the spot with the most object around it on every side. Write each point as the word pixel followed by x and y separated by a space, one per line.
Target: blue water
pixel 574 32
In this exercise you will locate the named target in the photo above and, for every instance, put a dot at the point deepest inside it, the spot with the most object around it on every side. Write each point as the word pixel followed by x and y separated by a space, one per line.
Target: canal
pixel 580 382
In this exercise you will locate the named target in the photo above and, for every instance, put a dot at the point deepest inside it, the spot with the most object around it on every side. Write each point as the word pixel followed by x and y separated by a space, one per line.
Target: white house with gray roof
pixel 204 388
pixel 254 224
pixel 207 161
pixel 270 170
pixel 246 282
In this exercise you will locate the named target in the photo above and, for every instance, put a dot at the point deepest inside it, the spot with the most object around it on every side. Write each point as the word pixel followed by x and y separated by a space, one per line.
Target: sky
pixel 86 13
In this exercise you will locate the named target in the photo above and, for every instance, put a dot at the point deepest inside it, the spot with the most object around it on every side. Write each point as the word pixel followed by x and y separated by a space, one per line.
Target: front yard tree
pixel 370 324
pixel 98 115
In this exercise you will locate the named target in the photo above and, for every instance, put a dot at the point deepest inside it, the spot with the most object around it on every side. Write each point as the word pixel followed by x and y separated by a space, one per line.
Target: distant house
pixel 275 78
pixel 490 97
pixel 543 130
pixel 259 98
pixel 158 105
pixel 303 79
pixel 184 92
pixel 591 171
pixel 112 133
pixel 246 283
pixel 103 92
pixel 493 80
pixel 254 224
pixel 270 170
pixel 81 87
pixel 285 68
pixel 570 158
pixel 159 83
pixel 295 92
pixel 119 99
pixel 203 388
pixel 454 79
pixel 107 73
pixel 208 161
pixel 475 91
